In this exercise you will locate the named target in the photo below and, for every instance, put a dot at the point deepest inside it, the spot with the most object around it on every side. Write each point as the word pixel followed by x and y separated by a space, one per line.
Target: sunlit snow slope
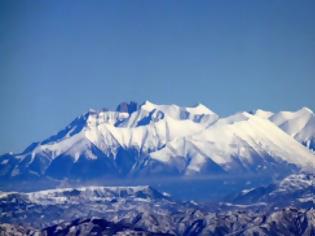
pixel 299 124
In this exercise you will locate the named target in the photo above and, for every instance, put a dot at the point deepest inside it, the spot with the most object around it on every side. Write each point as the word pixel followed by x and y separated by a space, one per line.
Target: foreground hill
pixel 288 221
pixel 296 190
pixel 141 210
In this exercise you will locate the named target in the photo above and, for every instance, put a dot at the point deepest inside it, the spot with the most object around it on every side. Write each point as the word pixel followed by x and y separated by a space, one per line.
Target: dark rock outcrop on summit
pixel 127 107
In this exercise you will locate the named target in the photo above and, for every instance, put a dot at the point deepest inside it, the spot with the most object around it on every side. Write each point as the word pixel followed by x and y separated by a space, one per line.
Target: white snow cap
pixel 188 139
pixel 263 114
pixel 197 109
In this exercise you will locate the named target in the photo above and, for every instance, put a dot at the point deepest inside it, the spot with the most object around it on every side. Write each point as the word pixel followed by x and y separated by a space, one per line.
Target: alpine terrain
pixel 154 169
pixel 168 140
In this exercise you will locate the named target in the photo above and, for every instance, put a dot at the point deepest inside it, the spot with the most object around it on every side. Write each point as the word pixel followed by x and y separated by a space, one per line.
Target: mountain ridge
pixel 136 140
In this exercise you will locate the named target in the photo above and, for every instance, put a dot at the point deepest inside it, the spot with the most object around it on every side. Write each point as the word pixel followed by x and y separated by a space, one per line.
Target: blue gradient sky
pixel 59 58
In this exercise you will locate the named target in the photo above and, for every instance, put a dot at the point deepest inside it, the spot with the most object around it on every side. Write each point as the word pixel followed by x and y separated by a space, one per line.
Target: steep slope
pixel 299 124
pixel 238 143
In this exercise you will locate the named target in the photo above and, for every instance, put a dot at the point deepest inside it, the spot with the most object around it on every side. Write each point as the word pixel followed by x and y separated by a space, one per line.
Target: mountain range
pixel 142 210
pixel 151 140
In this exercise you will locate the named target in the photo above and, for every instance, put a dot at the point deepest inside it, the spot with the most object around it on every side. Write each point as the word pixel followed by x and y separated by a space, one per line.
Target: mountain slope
pixel 299 124
pixel 237 143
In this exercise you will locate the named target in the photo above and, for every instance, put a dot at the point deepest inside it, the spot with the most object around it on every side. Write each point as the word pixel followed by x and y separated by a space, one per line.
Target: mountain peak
pixel 127 107
pixel 199 108
pixel 262 113
pixel 306 110
pixel 91 111
pixel 148 105
pixel 237 117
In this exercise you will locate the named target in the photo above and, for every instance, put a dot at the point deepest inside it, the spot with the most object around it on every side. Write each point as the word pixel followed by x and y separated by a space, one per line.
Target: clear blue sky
pixel 59 58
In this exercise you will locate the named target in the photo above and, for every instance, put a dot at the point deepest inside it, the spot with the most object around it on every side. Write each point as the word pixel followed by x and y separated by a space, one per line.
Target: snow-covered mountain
pixel 151 140
pixel 238 143
pixel 299 124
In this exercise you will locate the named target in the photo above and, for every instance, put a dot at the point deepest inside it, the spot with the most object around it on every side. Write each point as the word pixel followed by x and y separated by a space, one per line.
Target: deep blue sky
pixel 59 58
